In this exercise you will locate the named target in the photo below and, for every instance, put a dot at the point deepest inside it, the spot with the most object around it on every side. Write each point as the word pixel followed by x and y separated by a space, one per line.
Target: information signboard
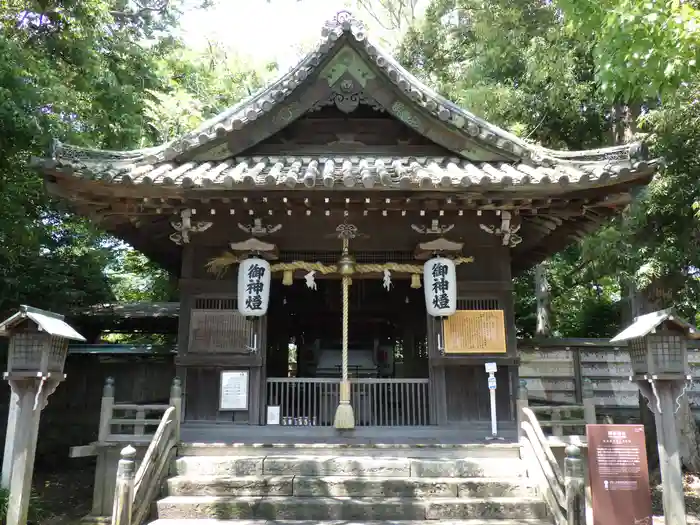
pixel 619 475
pixel 234 390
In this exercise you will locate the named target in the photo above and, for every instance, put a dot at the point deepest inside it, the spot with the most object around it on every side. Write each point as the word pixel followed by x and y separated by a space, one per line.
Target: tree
pixel 642 50
pixel 65 66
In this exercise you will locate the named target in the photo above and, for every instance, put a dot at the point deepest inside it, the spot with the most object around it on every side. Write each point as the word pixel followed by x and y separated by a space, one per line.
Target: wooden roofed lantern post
pixel 657 345
pixel 36 357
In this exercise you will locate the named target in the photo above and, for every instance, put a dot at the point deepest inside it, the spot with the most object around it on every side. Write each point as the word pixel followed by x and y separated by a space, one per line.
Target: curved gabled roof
pixel 459 130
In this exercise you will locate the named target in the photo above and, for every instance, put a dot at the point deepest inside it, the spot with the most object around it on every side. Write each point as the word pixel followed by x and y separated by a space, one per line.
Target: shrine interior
pixel 387 330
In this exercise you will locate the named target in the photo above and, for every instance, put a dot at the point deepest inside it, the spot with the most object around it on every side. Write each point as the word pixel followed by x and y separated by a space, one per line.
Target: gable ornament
pixel 507 231
pixel 186 227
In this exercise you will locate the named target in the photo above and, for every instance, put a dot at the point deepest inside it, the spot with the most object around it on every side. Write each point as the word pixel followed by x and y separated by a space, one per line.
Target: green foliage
pixel 555 80
pixel 36 508
pixel 513 63
pixel 518 65
pixel 100 73
pixel 642 48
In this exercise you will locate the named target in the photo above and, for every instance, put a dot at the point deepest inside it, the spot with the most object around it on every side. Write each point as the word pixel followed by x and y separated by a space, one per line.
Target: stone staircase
pixel 469 484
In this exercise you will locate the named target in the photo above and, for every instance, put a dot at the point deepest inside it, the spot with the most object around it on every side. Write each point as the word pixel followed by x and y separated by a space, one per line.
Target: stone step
pixel 433 450
pixel 363 466
pixel 325 508
pixel 340 486
pixel 196 521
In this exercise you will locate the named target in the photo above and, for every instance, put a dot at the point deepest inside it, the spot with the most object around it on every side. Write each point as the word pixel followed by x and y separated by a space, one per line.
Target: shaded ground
pixel 692 499
pixel 64 496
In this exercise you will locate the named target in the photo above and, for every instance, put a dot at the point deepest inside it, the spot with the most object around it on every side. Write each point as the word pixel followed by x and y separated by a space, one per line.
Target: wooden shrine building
pixel 349 151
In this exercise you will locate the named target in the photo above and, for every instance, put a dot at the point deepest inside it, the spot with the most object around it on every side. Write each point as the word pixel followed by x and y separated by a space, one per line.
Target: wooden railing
pixel 558 418
pixel 136 490
pixel 376 402
pixel 129 422
pixel 563 492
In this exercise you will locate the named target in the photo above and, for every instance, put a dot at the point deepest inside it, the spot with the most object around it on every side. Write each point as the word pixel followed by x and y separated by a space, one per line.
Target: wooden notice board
pixel 619 475
pixel 475 332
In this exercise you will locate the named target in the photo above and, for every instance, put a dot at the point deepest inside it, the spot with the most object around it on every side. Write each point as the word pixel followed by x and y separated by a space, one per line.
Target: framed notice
pixel 475 332
pixel 234 390
pixel 619 475
pixel 273 415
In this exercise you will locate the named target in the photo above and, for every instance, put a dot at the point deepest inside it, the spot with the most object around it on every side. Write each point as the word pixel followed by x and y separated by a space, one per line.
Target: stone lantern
pixel 657 345
pixel 36 356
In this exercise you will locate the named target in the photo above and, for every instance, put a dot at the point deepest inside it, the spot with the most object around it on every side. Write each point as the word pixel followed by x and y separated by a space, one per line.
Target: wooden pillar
pixel 32 394
pixel 669 455
pixel 124 490
pixel 10 436
pixel 183 326
pixel 521 403
pixel 587 394
pixel 106 409
pixel 176 401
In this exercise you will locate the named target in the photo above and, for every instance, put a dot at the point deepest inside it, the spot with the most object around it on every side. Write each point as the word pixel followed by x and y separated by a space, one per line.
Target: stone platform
pixel 228 433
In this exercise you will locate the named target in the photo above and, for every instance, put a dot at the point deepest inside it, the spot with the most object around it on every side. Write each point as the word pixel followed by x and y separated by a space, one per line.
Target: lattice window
pixel 478 303
pixel 667 353
pixel 216 326
pixel 475 332
pixel 215 303
pixel 638 354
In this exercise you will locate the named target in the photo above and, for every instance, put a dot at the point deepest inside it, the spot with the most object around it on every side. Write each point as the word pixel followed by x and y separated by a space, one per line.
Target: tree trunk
pixel 543 327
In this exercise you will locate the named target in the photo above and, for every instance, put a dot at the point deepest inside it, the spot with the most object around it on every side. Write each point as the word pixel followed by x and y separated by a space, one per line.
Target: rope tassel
pixel 344 415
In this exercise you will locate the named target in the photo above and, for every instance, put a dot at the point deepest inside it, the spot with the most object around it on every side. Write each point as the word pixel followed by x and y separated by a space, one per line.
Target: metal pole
pixel 492 396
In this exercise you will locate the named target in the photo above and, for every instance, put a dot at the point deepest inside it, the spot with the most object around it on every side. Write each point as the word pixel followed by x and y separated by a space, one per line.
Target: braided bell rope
pixel 346 319
pixel 218 265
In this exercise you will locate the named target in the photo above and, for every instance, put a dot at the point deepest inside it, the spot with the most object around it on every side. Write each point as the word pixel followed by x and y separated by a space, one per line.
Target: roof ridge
pixel 269 98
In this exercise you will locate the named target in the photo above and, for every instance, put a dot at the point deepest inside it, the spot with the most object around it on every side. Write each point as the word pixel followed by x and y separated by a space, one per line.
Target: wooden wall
pixel 486 281
pixel 72 415
pixel 555 369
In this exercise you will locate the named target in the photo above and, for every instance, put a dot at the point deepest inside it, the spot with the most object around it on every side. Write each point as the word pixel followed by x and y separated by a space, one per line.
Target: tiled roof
pixel 273 98
pixel 352 171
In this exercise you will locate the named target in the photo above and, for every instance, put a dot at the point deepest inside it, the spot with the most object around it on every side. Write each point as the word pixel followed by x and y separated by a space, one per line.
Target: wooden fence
pixel 555 371
pixel 377 402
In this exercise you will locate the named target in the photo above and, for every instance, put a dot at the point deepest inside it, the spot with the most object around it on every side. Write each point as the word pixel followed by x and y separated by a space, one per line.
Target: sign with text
pixel 273 415
pixel 234 390
pixel 619 475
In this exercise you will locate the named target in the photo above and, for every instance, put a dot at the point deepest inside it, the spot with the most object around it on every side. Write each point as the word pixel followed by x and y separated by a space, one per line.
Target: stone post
pixel 176 401
pixel 106 409
pixel 124 490
pixel 587 393
pixel 521 403
pixel 32 394
pixel 10 440
pixel 574 485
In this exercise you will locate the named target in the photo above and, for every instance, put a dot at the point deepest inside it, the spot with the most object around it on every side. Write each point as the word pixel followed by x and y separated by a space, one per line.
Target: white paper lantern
pixel 253 287
pixel 440 285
